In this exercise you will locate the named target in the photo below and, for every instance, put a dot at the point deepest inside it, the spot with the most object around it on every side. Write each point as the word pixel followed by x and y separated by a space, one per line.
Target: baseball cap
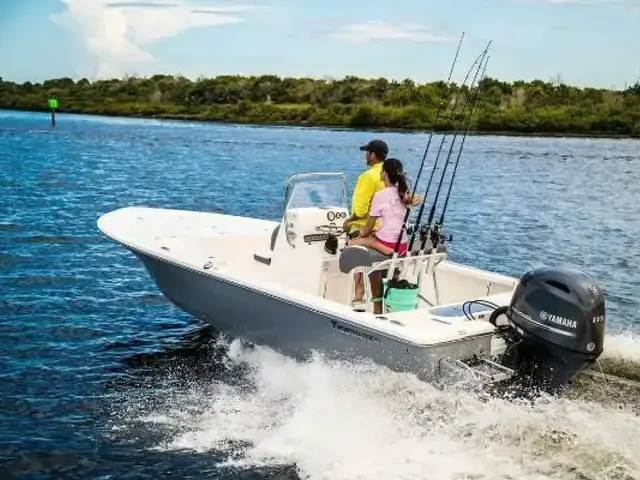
pixel 376 146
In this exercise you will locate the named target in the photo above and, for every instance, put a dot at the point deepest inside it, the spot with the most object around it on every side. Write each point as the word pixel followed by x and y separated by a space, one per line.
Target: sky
pixel 582 42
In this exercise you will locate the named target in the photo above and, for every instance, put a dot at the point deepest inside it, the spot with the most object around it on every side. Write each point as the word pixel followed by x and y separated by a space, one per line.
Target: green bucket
pixel 400 297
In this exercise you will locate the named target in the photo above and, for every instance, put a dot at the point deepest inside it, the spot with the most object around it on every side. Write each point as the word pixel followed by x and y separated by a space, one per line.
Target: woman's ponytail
pixel 403 188
pixel 393 169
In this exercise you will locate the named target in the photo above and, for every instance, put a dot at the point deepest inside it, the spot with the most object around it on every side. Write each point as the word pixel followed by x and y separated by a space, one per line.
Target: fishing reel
pixel 433 234
pixel 437 237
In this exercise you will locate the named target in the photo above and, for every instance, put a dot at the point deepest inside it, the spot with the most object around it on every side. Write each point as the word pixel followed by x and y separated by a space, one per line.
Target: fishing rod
pixel 431 231
pixel 440 222
pixel 479 58
pixel 392 268
pixel 435 165
pixel 424 156
pixel 435 123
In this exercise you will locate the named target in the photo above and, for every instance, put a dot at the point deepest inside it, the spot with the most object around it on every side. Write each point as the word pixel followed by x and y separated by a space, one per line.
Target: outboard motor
pixel 557 319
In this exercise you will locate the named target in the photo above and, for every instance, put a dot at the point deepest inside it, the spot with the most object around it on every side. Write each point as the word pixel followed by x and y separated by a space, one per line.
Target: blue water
pixel 83 330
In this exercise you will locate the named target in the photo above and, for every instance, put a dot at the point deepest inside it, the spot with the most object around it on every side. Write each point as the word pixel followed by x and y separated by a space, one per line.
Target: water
pixel 101 378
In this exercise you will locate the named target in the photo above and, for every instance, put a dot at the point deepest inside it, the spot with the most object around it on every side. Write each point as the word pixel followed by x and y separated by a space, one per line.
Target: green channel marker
pixel 53 104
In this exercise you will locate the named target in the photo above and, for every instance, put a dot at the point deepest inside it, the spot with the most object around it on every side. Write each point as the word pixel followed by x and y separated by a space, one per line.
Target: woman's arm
pixel 417 200
pixel 368 228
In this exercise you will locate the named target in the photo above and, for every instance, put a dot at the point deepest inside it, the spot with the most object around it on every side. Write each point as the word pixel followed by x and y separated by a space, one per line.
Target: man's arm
pixel 362 195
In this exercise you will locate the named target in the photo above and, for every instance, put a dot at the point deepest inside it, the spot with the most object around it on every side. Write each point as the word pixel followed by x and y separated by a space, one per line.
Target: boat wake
pixel 614 381
pixel 357 420
pixel 622 346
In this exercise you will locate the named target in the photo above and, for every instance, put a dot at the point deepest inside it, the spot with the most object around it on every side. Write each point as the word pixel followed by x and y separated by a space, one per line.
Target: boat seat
pixel 360 256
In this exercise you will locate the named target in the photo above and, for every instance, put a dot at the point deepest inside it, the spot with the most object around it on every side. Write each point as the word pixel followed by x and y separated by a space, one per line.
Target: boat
pixel 288 285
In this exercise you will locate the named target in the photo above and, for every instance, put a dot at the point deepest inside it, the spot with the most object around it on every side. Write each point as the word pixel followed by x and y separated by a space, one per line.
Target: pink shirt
pixel 387 205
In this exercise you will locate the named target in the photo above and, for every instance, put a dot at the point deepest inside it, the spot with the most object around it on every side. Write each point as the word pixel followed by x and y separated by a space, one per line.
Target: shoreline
pixel 238 121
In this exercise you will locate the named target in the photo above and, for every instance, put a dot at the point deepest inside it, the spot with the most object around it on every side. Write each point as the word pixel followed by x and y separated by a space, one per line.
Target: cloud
pixel 119 33
pixel 379 30
pixel 140 4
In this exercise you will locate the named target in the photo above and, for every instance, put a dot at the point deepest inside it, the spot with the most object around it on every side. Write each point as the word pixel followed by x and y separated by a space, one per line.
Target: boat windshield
pixel 323 190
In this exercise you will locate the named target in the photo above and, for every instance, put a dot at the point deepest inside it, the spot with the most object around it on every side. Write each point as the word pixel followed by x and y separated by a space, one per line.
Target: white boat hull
pixel 287 321
pixel 292 328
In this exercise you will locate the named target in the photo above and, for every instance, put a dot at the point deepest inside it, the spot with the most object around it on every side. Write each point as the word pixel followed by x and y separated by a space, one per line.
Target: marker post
pixel 53 104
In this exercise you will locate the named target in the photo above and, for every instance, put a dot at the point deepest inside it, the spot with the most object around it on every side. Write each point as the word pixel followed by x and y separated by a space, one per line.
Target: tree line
pixel 536 107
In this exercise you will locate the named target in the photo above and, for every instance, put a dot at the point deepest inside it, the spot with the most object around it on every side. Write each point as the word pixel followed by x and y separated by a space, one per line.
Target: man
pixel 369 182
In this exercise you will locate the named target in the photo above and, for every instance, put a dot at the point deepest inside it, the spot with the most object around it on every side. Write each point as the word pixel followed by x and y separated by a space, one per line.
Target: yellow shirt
pixel 368 184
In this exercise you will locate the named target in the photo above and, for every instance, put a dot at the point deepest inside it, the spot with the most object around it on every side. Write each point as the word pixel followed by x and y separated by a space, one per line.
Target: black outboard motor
pixel 557 319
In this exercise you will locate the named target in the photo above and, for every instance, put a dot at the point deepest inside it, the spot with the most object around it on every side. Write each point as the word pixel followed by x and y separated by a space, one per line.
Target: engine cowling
pixel 559 320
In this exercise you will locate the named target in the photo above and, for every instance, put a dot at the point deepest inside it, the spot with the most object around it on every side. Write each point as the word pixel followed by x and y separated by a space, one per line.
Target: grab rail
pixel 385 264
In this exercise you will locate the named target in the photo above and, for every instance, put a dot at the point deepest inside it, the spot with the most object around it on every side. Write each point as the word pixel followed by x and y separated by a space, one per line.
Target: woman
pixel 389 206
